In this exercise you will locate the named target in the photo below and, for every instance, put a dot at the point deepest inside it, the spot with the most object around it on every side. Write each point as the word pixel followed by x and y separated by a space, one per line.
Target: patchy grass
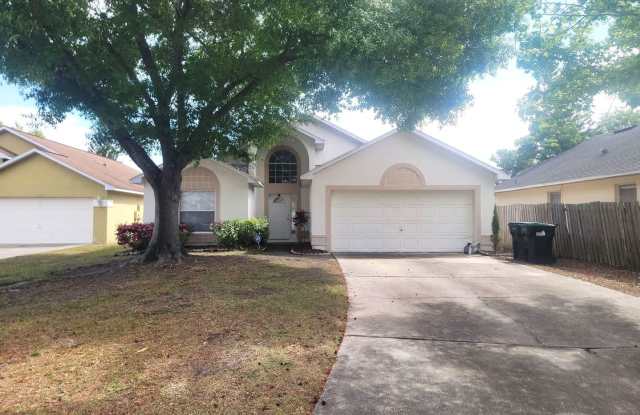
pixel 617 279
pixel 221 333
pixel 44 266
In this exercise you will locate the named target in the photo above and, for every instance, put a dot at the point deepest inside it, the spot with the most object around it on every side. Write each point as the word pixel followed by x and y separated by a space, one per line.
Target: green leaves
pixel 205 78
pixel 575 51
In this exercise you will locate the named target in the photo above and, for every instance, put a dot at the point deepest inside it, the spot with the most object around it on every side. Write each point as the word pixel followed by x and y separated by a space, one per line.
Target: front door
pixel 280 216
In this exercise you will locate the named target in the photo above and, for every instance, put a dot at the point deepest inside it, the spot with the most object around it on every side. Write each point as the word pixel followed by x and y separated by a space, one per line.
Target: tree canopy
pixel 200 78
pixel 574 51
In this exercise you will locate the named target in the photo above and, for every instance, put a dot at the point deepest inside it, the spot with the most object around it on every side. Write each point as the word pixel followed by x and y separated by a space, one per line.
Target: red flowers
pixel 137 235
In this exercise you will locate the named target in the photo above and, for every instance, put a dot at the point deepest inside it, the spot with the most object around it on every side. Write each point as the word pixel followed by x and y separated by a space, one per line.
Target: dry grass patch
pixel 46 265
pixel 221 333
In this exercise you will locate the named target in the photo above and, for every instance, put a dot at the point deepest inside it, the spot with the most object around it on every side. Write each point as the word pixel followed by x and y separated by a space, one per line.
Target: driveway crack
pixel 588 349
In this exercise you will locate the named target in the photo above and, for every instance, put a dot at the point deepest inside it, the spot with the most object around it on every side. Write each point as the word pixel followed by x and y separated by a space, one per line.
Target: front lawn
pixel 48 264
pixel 221 333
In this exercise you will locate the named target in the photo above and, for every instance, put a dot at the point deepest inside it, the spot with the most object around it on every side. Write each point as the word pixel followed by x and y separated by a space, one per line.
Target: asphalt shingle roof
pixel 111 172
pixel 600 156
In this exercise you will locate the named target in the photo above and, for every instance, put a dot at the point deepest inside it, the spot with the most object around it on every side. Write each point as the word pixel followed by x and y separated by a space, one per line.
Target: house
pixel 51 193
pixel 604 168
pixel 401 192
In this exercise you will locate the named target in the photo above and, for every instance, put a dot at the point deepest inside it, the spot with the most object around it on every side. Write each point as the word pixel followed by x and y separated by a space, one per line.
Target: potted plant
pixel 300 220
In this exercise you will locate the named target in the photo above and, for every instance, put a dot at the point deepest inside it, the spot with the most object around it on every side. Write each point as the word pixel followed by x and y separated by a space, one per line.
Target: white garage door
pixel 416 221
pixel 46 221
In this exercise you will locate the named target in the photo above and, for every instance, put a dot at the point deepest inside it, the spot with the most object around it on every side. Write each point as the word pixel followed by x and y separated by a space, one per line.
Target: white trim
pixel 22 156
pixel 318 142
pixel 458 152
pixel 341 130
pixel 252 180
pixel 115 189
pixel 21 135
pixel 55 160
pixel 309 175
pixel 105 203
pixel 581 179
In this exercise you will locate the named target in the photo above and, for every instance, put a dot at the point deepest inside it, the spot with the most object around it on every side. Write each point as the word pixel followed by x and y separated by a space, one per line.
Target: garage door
pixel 46 221
pixel 416 221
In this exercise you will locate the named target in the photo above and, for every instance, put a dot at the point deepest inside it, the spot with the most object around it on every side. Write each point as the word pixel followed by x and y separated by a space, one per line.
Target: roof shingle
pixel 110 172
pixel 604 155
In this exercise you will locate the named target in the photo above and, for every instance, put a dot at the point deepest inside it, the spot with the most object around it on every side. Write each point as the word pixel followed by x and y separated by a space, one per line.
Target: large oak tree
pixel 204 78
pixel 575 50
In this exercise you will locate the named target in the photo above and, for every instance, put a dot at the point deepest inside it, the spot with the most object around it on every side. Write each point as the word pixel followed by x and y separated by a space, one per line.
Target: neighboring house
pixel 51 193
pixel 402 192
pixel 604 168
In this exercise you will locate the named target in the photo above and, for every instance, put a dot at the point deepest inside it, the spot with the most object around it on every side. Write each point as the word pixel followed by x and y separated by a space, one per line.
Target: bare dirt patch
pixel 220 333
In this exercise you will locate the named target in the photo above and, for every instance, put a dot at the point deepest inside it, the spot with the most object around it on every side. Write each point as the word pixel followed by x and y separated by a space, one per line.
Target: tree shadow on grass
pixel 120 338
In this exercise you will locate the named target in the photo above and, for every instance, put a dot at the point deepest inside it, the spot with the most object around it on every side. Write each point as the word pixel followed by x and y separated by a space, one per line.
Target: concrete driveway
pixel 10 251
pixel 473 335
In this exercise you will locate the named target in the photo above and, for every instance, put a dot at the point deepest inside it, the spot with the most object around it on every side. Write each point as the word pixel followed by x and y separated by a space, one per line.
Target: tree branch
pixel 151 68
pixel 138 154
pixel 101 106
pixel 133 78
pixel 212 112
pixel 176 75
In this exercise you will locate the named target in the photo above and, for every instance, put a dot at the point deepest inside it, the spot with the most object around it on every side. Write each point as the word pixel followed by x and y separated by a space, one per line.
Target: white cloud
pixel 72 131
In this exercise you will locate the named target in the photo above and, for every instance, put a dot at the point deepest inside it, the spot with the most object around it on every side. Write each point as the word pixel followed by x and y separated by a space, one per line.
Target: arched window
pixel 283 167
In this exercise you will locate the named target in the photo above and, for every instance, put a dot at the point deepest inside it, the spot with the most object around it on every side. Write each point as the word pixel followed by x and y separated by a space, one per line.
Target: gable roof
pixel 394 132
pixel 602 156
pixel 252 180
pixel 319 141
pixel 338 129
pixel 112 174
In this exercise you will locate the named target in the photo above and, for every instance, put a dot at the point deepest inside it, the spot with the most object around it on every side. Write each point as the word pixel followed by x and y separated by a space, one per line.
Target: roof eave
pixel 560 182
pixel 309 175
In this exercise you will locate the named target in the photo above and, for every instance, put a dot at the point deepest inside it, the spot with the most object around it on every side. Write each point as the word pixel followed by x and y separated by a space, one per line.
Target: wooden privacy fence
pixel 599 232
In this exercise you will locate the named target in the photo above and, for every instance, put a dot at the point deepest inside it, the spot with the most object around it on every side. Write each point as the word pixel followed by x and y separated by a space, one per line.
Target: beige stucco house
pixel 604 168
pixel 51 193
pixel 401 192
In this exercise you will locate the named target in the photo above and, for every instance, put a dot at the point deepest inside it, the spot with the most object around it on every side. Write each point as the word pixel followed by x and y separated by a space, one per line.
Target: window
pixel 197 210
pixel 555 198
pixel 627 193
pixel 283 167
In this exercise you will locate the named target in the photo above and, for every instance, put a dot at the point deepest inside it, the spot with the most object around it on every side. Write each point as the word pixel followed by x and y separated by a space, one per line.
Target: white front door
pixel 280 217
pixel 46 221
pixel 399 221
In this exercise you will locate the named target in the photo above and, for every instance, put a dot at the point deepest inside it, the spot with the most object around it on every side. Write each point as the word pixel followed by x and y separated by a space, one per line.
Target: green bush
pixel 240 233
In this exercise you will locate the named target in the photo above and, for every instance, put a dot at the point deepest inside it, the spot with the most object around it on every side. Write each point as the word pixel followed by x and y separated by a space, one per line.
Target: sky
pixel 488 123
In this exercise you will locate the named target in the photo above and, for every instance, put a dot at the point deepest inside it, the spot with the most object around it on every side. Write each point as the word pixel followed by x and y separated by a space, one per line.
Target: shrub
pixel 137 235
pixel 227 233
pixel 495 229
pixel 240 233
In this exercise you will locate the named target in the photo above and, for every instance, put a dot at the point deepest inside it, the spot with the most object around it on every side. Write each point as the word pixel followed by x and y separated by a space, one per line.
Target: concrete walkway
pixel 473 335
pixel 10 251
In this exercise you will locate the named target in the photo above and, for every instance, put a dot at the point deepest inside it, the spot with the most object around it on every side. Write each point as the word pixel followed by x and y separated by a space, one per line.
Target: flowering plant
pixel 137 235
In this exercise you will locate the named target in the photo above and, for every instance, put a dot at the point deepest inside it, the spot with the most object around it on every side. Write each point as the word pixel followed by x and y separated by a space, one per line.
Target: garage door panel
pixel 421 221
pixel 46 221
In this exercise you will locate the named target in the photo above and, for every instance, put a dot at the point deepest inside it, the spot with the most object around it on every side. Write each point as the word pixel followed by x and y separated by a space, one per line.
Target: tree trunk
pixel 165 244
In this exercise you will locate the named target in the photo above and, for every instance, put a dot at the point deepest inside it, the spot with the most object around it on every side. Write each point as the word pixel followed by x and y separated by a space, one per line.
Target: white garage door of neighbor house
pixel 46 221
pixel 399 221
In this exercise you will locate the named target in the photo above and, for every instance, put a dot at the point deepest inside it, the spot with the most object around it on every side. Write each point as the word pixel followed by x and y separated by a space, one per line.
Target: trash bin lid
pixel 532 224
